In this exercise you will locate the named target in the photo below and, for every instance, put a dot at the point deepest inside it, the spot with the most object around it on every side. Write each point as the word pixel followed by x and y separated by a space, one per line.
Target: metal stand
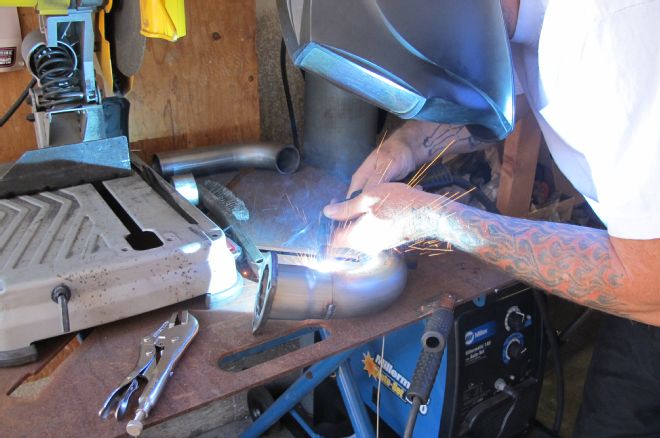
pixel 310 379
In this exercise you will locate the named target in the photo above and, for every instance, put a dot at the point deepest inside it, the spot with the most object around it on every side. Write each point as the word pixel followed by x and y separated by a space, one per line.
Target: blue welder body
pixel 499 337
pixel 401 351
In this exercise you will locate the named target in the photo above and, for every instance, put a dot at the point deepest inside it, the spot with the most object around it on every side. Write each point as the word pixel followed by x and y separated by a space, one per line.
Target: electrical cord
pixel 380 375
pixel 433 340
pixel 554 348
pixel 12 109
pixel 287 95
pixel 439 176
pixel 501 386
pixel 412 417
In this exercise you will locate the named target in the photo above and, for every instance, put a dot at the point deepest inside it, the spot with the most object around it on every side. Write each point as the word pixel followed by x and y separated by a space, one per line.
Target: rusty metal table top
pixel 68 405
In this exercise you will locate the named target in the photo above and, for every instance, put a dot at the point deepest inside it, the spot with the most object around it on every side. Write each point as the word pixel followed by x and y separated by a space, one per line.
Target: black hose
pixel 464 184
pixel 439 176
pixel 554 348
pixel 12 109
pixel 287 95
pixel 477 192
pixel 514 396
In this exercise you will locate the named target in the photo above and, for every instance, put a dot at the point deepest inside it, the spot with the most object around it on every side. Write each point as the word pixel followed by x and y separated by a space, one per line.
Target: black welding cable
pixel 287 95
pixel 514 396
pixel 12 109
pixel 554 348
pixel 477 192
pixel 412 417
pixel 466 185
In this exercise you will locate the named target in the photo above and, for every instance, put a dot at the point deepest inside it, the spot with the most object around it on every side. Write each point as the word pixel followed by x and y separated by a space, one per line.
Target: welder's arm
pixel 410 146
pixel 585 265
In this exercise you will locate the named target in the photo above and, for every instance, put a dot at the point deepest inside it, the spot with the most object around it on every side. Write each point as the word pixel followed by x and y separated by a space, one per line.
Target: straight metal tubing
pixel 305 384
pixel 303 423
pixel 357 411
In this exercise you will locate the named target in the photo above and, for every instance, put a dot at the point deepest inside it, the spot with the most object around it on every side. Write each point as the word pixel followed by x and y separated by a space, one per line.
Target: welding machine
pixel 497 338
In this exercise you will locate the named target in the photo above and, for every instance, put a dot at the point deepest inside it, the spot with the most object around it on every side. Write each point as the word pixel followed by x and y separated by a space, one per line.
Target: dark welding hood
pixel 444 61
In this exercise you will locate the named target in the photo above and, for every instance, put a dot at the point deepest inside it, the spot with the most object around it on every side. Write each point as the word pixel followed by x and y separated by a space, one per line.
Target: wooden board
pixel 200 90
pixel 521 151
pixel 17 135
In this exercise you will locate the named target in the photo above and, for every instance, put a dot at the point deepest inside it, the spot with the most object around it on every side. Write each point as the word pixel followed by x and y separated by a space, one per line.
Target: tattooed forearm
pixel 574 262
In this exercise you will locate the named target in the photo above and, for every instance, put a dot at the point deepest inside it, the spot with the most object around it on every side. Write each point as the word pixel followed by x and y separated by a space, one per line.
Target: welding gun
pixel 434 340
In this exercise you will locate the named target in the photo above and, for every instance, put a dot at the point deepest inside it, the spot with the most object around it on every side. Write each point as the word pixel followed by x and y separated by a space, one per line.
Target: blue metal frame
pixel 310 379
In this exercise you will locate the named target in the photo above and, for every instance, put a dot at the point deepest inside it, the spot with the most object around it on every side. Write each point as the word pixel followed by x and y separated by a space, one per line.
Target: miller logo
pixel 390 378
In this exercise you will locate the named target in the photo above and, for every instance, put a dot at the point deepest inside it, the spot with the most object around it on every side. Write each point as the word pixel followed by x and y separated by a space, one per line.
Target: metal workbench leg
pixel 296 392
pixel 357 411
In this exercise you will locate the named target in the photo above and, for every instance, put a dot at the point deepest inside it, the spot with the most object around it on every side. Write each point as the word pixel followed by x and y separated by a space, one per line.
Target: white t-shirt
pixel 591 72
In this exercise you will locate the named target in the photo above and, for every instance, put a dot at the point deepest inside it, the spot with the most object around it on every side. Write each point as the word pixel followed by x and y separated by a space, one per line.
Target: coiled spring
pixel 56 68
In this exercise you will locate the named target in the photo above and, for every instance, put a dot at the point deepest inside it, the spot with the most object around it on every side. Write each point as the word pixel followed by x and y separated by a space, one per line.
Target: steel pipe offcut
pixel 349 289
pixel 209 159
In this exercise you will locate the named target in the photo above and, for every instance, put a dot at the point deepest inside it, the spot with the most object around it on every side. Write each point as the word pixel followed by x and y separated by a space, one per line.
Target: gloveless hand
pixel 385 216
pixel 391 161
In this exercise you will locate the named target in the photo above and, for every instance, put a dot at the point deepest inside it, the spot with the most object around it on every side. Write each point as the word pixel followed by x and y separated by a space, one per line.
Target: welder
pixel 590 71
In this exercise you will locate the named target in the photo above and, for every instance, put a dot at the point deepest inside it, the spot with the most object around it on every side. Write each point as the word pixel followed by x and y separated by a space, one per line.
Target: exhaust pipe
pixel 209 159
pixel 297 292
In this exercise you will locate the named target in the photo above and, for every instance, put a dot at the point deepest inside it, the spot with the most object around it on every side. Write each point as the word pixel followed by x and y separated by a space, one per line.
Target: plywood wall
pixel 200 90
pixel 18 134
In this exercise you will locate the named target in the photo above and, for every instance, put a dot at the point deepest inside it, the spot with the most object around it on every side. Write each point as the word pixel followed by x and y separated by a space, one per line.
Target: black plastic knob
pixel 516 320
pixel 516 350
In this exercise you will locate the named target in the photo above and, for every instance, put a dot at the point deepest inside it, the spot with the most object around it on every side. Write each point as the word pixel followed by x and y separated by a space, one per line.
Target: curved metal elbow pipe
pixel 296 292
pixel 208 159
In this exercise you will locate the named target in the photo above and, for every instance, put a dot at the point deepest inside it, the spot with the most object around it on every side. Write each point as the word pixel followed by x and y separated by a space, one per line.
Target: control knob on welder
pixel 515 350
pixel 515 319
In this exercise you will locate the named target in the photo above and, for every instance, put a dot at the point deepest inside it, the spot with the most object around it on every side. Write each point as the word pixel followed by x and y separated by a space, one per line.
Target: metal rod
pixel 303 423
pixel 61 295
pixel 64 306
pixel 296 392
pixel 357 411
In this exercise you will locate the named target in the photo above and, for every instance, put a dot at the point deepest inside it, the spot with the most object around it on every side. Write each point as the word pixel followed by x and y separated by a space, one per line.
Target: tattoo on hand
pixel 443 134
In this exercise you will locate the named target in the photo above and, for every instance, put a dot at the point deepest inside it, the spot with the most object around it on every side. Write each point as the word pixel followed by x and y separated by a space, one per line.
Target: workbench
pixel 68 405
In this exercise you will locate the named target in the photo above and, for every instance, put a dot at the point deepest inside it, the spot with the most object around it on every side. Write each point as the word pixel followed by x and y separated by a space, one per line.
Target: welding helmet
pixel 445 61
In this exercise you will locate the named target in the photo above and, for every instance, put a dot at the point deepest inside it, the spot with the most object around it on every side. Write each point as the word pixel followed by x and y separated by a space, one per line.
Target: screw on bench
pixel 61 295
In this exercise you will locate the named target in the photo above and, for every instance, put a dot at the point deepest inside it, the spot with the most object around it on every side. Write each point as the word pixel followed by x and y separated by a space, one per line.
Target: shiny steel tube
pixel 208 159
pixel 358 288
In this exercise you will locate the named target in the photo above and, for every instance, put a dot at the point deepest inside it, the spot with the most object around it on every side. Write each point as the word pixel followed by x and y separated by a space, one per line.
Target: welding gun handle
pixel 437 330
pixel 426 370
pixel 434 340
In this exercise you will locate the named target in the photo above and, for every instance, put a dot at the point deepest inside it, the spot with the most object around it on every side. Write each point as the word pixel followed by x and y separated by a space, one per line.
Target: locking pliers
pixel 159 352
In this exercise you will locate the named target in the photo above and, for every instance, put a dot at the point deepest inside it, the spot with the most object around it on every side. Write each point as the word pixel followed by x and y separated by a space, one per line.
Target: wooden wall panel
pixel 17 135
pixel 200 90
